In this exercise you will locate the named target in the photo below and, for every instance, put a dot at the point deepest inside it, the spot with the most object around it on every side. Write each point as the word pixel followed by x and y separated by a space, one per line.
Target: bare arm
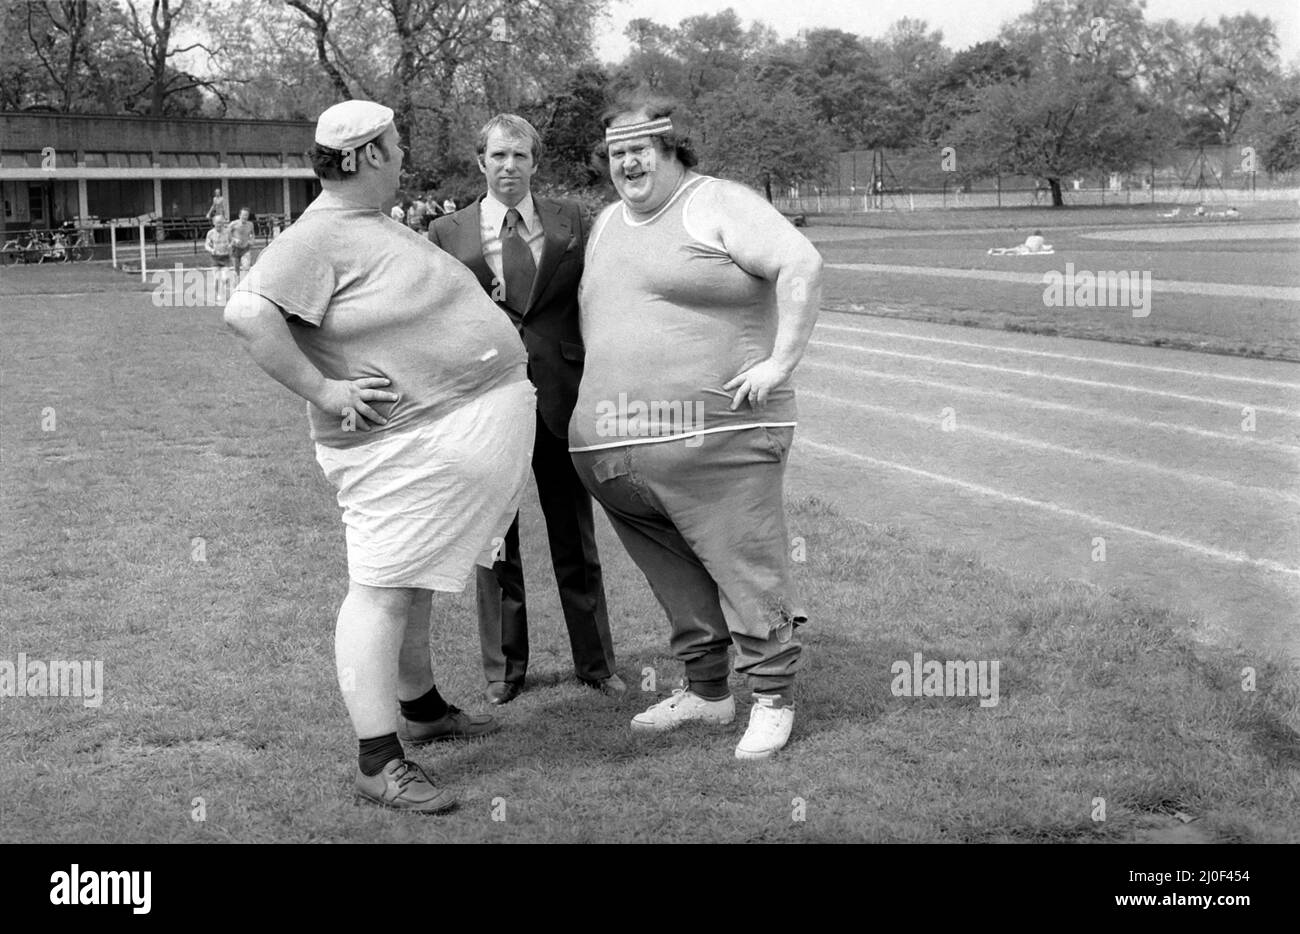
pixel 765 244
pixel 261 328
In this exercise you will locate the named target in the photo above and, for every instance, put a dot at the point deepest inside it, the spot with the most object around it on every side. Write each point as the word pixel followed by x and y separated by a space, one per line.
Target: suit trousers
pixel 570 530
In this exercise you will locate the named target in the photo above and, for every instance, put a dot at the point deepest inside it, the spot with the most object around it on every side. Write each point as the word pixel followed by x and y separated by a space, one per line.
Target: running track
pixel 1026 449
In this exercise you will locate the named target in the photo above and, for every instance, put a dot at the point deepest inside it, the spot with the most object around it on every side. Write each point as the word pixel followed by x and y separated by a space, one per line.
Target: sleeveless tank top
pixel 667 320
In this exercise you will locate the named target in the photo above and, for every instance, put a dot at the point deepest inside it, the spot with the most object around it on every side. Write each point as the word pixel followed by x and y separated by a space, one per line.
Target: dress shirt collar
pixel 494 213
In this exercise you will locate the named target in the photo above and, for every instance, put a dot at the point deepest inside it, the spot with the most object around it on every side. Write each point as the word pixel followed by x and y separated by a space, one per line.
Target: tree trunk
pixel 405 69
pixel 320 27
pixel 767 186
pixel 161 21
pixel 1055 185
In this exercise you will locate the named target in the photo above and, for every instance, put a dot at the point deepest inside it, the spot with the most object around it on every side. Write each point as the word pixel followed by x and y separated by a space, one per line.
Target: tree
pixel 441 63
pixel 845 85
pixel 969 70
pixel 650 63
pixel 168 90
pixel 1079 106
pixel 569 121
pixel 762 137
pixel 701 54
pixel 913 58
pixel 713 48
pixel 63 56
pixel 1214 74
pixel 269 67
pixel 1275 129
pixel 1102 37
pixel 1053 125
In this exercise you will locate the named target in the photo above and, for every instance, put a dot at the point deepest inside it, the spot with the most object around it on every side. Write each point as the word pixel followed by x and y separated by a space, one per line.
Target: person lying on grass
pixel 1033 244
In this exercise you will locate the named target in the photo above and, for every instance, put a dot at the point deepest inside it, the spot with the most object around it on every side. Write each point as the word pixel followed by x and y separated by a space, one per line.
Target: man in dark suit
pixel 527 252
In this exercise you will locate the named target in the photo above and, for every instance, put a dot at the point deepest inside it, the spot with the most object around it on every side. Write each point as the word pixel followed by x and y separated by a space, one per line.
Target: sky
pixel 963 22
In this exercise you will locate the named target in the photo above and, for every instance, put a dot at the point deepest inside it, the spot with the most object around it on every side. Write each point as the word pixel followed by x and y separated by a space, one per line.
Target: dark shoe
pixel 454 724
pixel 612 686
pixel 404 786
pixel 501 692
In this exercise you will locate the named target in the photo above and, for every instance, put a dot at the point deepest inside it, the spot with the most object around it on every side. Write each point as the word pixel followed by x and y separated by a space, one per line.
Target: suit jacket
pixel 550 322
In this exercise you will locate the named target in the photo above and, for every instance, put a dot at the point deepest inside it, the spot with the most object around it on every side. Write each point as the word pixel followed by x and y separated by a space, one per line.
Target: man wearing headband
pixel 682 437
pixel 423 422
pixel 526 251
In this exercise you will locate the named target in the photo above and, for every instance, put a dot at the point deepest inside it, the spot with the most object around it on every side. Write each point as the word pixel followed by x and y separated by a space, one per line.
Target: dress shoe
pixel 404 786
pixel 454 724
pixel 612 686
pixel 501 692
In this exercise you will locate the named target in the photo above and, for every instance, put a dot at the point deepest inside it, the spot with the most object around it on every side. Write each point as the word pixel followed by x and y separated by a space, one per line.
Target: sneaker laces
pixel 670 702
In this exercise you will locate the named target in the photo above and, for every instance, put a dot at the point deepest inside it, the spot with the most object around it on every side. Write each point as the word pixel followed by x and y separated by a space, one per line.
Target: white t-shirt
pixel 365 296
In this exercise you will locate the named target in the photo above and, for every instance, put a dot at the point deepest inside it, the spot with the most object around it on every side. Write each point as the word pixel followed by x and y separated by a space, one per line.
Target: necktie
pixel 517 266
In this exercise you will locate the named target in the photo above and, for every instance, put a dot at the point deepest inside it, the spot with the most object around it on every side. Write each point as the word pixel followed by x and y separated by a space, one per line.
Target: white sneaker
pixel 684 706
pixel 769 729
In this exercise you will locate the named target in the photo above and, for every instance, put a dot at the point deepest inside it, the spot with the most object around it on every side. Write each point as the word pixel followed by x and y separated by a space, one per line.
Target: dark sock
pixel 780 698
pixel 711 690
pixel 425 709
pixel 377 752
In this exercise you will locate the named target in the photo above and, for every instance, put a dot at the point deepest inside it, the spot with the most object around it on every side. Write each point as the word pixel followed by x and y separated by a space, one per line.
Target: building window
pixel 12 159
pixel 253 160
pixel 128 160
pixel 95 160
pixel 268 160
pixel 188 160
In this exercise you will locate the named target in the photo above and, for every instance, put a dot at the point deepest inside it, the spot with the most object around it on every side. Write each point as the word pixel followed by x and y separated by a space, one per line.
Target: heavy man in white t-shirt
pixel 423 421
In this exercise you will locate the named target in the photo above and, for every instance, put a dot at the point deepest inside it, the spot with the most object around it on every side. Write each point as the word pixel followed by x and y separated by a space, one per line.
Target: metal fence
pixel 948 199
pixel 120 240
pixel 930 179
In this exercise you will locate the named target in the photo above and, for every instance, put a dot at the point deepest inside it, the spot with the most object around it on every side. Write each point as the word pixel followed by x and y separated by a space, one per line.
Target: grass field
pixel 1090 238
pixel 1047 218
pixel 171 522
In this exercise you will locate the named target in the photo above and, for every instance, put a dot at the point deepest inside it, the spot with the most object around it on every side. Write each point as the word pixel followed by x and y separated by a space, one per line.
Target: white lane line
pixel 1079 381
pixel 1208 551
pixel 1186 475
pixel 1198 374
pixel 1220 289
pixel 1242 438
pixel 58 294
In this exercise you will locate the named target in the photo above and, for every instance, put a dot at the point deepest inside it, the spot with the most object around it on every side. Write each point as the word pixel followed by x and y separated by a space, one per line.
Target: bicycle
pixel 54 246
pixel 23 248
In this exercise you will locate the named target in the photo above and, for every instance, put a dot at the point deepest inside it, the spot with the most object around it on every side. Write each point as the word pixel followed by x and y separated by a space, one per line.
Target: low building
pixel 56 168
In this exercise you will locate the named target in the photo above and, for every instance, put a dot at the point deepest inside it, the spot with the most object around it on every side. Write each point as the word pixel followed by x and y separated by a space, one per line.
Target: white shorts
pixel 423 506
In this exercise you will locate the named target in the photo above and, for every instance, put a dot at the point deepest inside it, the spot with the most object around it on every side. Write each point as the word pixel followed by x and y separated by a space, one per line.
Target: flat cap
pixel 348 124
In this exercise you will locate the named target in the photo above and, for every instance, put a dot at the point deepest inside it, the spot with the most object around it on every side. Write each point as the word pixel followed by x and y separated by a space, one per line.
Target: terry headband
pixel 619 134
